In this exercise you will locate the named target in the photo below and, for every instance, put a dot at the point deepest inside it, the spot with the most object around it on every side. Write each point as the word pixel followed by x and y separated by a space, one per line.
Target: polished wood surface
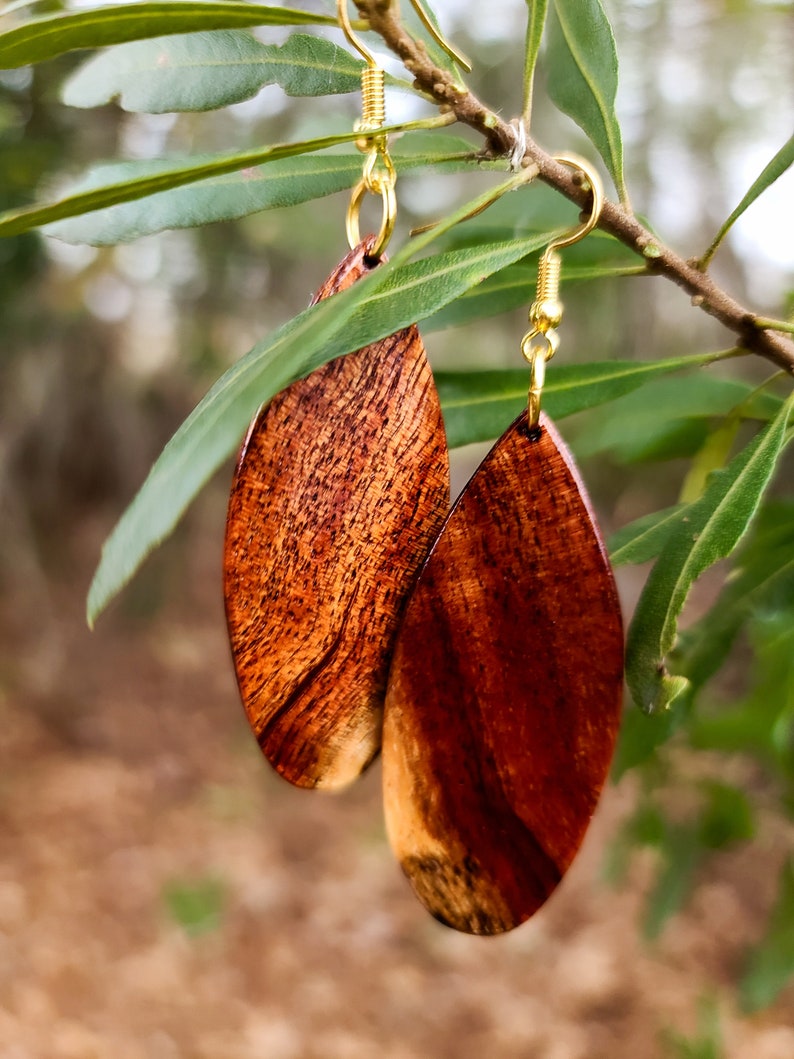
pixel 340 488
pixel 504 695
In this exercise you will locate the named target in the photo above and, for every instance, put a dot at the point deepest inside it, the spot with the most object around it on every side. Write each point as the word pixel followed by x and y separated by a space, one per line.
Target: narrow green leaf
pixel 762 580
pixel 198 905
pixel 713 454
pixel 771 963
pixel 583 77
pixel 773 691
pixel 762 723
pixel 45 38
pixel 665 439
pixel 708 530
pixel 12 222
pixel 536 20
pixel 281 183
pixel 643 539
pixel 479 405
pixel 204 71
pixel 514 287
pixel 782 161
pixel 706 1043
pixel 645 827
pixel 727 816
pixel 384 301
pixel 682 853
pixel 641 736
pixel 643 423
pixel 425 17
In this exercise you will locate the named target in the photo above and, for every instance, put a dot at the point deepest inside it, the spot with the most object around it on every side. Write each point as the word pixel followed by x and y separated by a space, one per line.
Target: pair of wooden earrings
pixel 481 650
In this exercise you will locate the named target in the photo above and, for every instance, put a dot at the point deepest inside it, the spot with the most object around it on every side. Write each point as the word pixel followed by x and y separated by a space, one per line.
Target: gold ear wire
pixel 597 191
pixel 379 176
pixel 354 40
pixel 540 343
pixel 366 54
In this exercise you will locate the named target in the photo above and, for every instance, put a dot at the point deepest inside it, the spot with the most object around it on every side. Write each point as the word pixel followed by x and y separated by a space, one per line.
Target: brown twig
pixel 500 140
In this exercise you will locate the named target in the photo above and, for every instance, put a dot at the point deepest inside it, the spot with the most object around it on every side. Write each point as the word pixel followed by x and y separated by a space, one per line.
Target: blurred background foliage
pixel 105 350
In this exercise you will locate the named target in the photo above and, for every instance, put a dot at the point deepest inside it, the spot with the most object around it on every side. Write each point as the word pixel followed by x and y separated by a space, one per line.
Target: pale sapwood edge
pixel 500 140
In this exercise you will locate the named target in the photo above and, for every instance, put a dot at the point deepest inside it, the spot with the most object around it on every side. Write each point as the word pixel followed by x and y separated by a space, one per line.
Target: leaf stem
pixel 764 323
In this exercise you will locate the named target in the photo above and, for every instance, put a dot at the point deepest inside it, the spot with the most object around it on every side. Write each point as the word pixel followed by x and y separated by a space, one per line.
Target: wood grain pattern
pixel 340 487
pixel 505 690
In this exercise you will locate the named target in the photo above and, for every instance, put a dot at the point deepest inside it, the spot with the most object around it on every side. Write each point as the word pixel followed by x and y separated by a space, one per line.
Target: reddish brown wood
pixel 340 488
pixel 505 689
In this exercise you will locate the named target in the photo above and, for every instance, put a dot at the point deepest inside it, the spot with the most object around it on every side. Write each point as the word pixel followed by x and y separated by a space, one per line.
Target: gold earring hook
pixel 427 22
pixel 540 343
pixel 597 191
pixel 355 41
pixel 379 176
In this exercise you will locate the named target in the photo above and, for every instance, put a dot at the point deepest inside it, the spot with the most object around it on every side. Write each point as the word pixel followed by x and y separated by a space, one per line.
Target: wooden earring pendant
pixel 505 689
pixel 340 488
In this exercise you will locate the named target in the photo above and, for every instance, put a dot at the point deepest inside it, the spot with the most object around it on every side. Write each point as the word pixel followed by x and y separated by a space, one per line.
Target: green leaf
pixel 762 581
pixel 280 183
pixel 479 405
pixel 389 298
pixel 763 723
pixel 204 71
pixel 771 962
pixel 682 852
pixel 775 683
pixel 713 454
pixel 782 161
pixel 641 736
pixel 707 1043
pixel 648 424
pixel 514 287
pixel 583 77
pixel 708 530
pixel 727 816
pixel 45 38
pixel 643 539
pixel 12 222
pixel 196 906
pixel 667 439
pixel 425 17
pixel 536 20
pixel 645 827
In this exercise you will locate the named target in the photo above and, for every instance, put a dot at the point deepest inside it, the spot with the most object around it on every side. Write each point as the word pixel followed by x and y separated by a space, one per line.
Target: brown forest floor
pixel 128 775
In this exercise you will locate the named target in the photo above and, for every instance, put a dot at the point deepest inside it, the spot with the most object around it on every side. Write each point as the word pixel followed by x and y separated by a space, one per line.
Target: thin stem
pixel 728 354
pixel 765 323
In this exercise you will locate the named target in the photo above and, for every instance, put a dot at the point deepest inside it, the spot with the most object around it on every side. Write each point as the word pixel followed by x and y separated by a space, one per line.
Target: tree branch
pixel 500 140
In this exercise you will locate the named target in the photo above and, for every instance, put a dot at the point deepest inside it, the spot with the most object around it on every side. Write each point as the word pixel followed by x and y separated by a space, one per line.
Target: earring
pixel 505 688
pixel 340 488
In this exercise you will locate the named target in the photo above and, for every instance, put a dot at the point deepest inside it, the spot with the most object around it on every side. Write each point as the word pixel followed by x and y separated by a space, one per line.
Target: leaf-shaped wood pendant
pixel 341 486
pixel 505 690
